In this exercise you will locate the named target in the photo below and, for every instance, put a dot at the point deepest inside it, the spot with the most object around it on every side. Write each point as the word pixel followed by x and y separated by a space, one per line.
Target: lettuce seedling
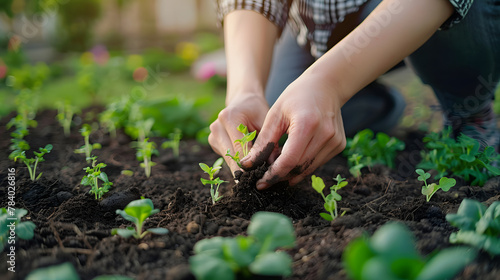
pixel 87 149
pixel 247 138
pixel 390 254
pixel 429 190
pixel 173 143
pixel 65 116
pixel 94 174
pixel 463 157
pixel 379 150
pixel 145 151
pixel 137 212
pixel 330 200
pixel 212 171
pixel 32 163
pixel 246 257
pixel 479 227
pixel 10 219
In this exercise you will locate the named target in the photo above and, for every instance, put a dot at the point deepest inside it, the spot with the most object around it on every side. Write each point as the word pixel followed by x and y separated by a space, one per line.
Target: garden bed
pixel 71 226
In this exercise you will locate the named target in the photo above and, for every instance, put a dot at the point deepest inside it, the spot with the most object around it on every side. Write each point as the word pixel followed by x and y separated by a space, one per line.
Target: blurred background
pixel 164 54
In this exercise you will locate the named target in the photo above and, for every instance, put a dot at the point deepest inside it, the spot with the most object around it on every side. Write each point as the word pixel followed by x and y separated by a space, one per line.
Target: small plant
pixel 145 151
pixel 365 150
pixel 173 143
pixel 247 138
pixel 429 190
pixel 10 220
pixel 479 227
pixel 246 257
pixel 137 212
pixel 355 164
pixel 463 157
pixel 65 116
pixel 212 171
pixel 94 174
pixel 87 149
pixel 31 163
pixel 390 254
pixel 330 200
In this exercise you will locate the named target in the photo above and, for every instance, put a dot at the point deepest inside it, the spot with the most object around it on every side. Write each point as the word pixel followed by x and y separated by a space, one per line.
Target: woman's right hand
pixel 249 109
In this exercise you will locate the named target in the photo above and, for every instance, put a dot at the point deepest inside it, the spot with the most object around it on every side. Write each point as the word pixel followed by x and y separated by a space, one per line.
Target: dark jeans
pixel 461 64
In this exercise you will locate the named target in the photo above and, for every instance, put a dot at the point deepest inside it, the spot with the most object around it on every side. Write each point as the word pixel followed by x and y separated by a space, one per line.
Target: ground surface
pixel 72 226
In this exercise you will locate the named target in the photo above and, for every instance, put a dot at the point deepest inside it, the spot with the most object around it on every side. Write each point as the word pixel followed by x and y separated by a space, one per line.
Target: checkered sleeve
pixel 461 9
pixel 275 11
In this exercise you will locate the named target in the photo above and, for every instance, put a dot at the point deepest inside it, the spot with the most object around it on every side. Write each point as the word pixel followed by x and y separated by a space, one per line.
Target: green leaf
pixel 469 212
pixel 272 263
pixel 447 263
pixel 103 177
pixel 64 271
pixel 141 209
pixel 240 250
pixel 86 181
pixel 242 128
pixel 326 216
pixel 205 168
pixel 428 190
pixel 318 184
pixel 394 240
pixel 274 229
pixel 206 267
pixel 468 158
pixel 446 183
pixel 211 244
pixel 218 162
pixel 355 255
pixel 423 175
pixel 123 232
pixel 25 230
pixel 159 231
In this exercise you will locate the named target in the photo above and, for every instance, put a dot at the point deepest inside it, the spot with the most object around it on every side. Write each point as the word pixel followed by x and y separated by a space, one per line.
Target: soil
pixel 71 226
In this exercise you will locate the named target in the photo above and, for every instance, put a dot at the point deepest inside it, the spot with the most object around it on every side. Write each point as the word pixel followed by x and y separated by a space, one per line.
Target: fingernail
pixel 262 185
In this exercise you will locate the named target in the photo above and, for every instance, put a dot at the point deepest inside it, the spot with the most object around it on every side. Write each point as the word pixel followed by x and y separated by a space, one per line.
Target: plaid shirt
pixel 313 20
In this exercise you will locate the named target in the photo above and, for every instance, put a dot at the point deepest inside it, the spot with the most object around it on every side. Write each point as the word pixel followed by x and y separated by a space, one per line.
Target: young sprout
pixel 87 148
pixel 429 190
pixel 65 116
pixel 173 143
pixel 145 151
pixel 93 176
pixel 355 162
pixel 137 212
pixel 330 200
pixel 212 171
pixel 247 138
pixel 31 163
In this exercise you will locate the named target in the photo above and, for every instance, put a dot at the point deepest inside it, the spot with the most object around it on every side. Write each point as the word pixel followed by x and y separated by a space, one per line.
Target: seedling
pixel 462 157
pixel 87 149
pixel 10 221
pixel 429 190
pixel 94 174
pixel 243 257
pixel 479 227
pixel 379 150
pixel 31 163
pixel 212 171
pixel 391 254
pixel 66 271
pixel 356 165
pixel 145 151
pixel 65 117
pixel 173 143
pixel 247 138
pixel 137 212
pixel 330 200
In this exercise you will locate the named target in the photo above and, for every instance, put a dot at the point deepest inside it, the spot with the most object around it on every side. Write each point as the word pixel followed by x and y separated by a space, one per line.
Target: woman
pixel 453 45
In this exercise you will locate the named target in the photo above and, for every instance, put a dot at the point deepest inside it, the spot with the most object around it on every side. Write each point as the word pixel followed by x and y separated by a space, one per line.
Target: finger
pixel 230 124
pixel 219 141
pixel 291 159
pixel 323 157
pixel 266 143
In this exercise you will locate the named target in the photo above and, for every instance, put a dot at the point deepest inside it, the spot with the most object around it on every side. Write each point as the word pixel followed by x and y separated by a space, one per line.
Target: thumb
pixel 266 143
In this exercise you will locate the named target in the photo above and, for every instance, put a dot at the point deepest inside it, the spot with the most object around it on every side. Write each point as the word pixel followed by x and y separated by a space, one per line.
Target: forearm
pixel 249 42
pixel 394 30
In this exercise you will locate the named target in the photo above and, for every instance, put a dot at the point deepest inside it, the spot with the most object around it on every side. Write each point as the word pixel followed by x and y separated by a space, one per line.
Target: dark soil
pixel 73 227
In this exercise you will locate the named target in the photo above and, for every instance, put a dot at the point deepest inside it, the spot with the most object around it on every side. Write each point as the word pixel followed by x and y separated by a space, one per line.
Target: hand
pixel 310 113
pixel 249 109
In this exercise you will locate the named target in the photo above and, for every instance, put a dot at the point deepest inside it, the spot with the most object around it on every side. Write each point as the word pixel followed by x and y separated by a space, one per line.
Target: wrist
pixel 243 93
